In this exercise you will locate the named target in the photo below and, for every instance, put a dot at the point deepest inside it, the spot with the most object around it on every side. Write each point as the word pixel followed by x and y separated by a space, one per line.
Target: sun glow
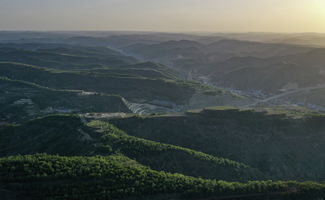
pixel 316 12
pixel 168 15
pixel 321 6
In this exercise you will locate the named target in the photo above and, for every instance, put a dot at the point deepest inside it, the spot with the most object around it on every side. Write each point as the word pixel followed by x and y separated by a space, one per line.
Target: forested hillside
pixel 67 135
pixel 53 177
pixel 169 93
pixel 280 146
pixel 63 56
pixel 23 100
pixel 139 116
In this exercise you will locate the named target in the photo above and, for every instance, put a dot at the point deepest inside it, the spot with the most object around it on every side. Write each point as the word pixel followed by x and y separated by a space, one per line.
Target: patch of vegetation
pixel 53 177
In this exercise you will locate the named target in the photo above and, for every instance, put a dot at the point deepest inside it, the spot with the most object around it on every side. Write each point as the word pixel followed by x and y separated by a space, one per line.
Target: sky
pixel 165 15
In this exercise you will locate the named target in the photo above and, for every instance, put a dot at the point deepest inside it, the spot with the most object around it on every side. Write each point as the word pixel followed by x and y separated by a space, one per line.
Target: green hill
pixel 67 135
pixel 22 100
pixel 55 134
pixel 117 177
pixel 138 89
pixel 171 158
pixel 65 57
pixel 82 121
pixel 281 147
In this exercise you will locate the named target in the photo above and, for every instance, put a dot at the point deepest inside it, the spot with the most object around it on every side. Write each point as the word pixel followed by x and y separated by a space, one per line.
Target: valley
pixel 236 66
pixel 135 116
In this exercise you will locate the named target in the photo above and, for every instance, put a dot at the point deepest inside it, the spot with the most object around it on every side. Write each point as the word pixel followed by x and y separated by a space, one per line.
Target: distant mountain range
pixel 137 116
pixel 31 72
pixel 256 69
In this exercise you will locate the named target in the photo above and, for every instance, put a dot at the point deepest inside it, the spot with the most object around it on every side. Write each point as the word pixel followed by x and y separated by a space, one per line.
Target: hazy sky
pixel 164 15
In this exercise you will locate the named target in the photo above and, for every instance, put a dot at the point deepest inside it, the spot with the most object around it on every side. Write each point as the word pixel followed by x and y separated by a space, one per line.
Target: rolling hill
pixel 251 67
pixel 64 57
pixel 113 175
pixel 117 177
pixel 160 92
pixel 22 100
pixel 277 145
pixel 68 135
pixel 130 87
pixel 133 116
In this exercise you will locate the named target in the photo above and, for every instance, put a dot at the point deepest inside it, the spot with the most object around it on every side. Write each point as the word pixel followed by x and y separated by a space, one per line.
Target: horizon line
pixel 152 31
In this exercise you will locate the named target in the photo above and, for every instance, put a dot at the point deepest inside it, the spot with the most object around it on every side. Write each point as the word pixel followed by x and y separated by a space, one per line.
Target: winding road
pixel 300 90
